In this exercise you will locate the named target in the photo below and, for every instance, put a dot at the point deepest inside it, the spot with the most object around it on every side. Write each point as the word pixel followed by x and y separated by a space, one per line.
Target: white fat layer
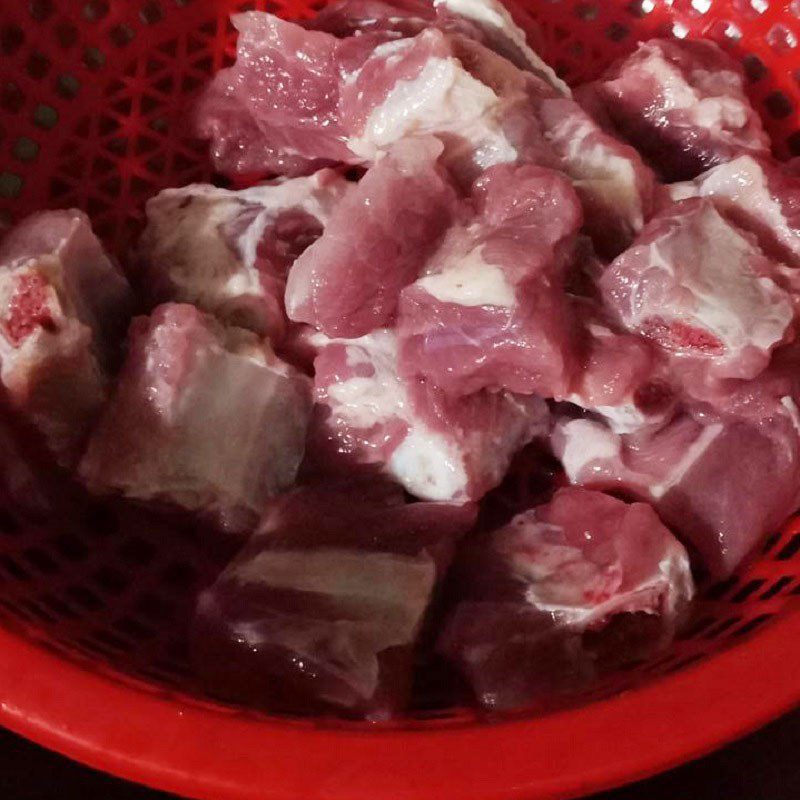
pixel 586 442
pixel 596 169
pixel 470 281
pixel 740 308
pixel 363 402
pixel 742 184
pixel 429 465
pixel 443 99
pixel 494 16
pixel 624 418
pixel 791 407
pixel 691 455
pixel 710 105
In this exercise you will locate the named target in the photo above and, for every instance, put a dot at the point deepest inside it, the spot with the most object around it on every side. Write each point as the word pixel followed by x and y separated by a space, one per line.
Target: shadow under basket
pixel 95 603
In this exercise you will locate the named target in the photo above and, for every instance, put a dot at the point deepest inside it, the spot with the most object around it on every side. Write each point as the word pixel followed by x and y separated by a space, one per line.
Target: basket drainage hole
pixel 11 39
pixel 778 105
pixel 94 58
pixel 151 13
pixel 41 9
pixel 121 35
pixel 95 10
pixel 10 185
pixel 754 68
pixel 67 85
pixel 25 149
pixel 45 116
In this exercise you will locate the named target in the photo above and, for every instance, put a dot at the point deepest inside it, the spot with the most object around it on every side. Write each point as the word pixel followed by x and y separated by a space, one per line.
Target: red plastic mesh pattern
pixel 93 106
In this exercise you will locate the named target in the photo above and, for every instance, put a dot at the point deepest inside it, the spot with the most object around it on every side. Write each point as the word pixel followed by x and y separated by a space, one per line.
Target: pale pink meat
pixel 702 290
pixel 721 478
pixel 229 252
pixel 682 104
pixel 437 448
pixel 204 417
pixel 377 240
pixel 324 607
pixel 622 377
pixel 759 195
pixel 535 597
pixel 276 109
pixel 490 310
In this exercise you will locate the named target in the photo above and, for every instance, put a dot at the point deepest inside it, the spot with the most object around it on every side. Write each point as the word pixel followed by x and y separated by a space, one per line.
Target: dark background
pixel 764 766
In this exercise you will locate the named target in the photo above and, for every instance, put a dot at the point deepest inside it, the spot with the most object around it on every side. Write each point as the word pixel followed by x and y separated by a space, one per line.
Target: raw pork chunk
pixel 379 236
pixel 435 447
pixel 275 110
pixel 62 304
pixel 759 195
pixel 479 104
pixel 323 609
pixel 721 480
pixel 505 28
pixel 296 99
pixel 616 187
pixel 681 104
pixel 229 252
pixel 62 242
pixel 490 309
pixel 701 289
pixel 622 377
pixel 537 596
pixel 203 417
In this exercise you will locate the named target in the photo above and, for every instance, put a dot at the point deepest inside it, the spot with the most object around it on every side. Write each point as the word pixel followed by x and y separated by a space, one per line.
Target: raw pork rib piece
pixel 616 187
pixel 490 310
pixel 62 303
pixel 721 481
pixel 378 238
pixel 537 595
pixel 323 609
pixel 229 252
pixel 436 448
pixel 759 195
pixel 203 417
pixel 92 284
pixel 701 289
pixel 681 104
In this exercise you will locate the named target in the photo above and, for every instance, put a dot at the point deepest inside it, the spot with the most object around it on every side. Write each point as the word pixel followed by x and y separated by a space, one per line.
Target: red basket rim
pixel 200 752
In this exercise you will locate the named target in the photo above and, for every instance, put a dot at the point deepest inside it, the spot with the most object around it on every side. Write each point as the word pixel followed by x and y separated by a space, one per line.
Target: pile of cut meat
pixel 448 271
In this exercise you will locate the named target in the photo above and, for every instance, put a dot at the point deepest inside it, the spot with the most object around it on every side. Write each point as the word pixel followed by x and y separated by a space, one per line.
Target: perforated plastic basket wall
pixel 93 98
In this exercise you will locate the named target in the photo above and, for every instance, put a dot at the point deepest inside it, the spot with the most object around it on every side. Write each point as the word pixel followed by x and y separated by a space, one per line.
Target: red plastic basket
pixel 94 604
